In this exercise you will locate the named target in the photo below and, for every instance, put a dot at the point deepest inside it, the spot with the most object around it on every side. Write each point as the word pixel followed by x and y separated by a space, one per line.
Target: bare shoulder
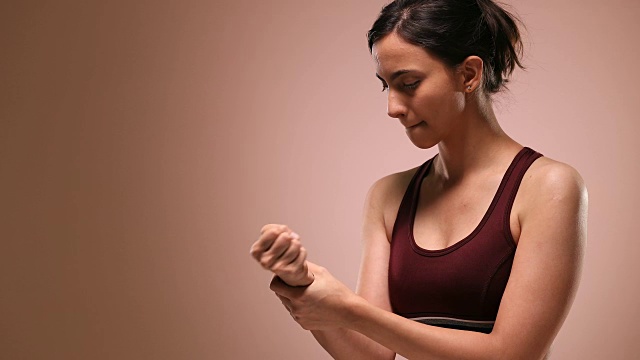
pixel 549 175
pixel 551 180
pixel 385 195
pixel 391 184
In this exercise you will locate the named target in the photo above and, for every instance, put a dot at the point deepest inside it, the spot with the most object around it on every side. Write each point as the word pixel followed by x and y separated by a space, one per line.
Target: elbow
pixel 501 348
pixel 513 351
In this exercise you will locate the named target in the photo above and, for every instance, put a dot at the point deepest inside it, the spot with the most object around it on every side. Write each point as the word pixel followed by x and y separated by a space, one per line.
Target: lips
pixel 411 127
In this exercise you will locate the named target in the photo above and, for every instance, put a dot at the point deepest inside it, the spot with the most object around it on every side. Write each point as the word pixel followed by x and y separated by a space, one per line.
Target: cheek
pixel 459 102
pixel 443 104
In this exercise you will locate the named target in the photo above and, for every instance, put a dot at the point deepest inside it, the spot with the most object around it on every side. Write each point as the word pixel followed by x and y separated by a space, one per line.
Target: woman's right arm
pixel 372 281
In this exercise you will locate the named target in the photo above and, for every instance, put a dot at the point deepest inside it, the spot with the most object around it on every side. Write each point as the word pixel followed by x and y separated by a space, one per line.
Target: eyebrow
pixel 395 74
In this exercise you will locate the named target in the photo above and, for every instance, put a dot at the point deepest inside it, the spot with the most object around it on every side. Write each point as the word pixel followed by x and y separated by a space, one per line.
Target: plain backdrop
pixel 143 144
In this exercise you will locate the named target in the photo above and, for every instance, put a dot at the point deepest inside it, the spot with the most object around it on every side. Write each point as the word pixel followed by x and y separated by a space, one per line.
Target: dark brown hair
pixel 455 29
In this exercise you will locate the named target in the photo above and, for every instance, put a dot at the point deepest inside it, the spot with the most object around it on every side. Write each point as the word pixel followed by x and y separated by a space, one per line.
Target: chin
pixel 421 137
pixel 423 143
pixel 424 146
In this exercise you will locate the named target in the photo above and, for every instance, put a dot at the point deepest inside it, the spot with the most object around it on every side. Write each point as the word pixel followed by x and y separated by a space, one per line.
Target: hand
pixel 279 250
pixel 324 304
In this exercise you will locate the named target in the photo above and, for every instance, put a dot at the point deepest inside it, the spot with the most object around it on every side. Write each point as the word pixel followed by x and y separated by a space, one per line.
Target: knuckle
pixel 293 255
pixel 254 251
pixel 264 261
pixel 283 236
pixel 277 268
pixel 268 228
pixel 275 237
pixel 272 233
pixel 277 245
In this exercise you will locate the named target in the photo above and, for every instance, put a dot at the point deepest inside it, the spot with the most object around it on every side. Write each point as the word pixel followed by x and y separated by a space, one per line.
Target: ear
pixel 470 73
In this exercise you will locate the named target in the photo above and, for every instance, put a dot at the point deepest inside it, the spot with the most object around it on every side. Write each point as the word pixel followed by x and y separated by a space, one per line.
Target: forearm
pixel 416 341
pixel 343 343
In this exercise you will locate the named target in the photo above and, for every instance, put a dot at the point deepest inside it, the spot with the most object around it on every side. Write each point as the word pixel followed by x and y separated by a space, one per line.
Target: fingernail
pixel 294 235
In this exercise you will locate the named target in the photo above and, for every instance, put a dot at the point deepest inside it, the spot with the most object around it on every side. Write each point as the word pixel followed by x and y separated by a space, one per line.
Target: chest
pixel 450 254
pixel 446 216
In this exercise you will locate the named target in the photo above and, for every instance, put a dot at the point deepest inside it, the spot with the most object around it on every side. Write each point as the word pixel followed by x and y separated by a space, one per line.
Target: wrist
pixel 306 280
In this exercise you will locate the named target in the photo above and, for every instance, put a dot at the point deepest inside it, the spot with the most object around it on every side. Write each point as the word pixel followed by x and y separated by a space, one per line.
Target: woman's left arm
pixel 541 288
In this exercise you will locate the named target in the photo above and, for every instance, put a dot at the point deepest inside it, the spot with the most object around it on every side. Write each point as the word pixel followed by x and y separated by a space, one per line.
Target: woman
pixel 476 253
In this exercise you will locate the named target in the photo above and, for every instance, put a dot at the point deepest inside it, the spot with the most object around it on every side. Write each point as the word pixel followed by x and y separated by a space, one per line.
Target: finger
pixel 289 256
pixel 297 267
pixel 299 261
pixel 297 272
pixel 286 302
pixel 267 238
pixel 279 247
pixel 265 241
pixel 279 227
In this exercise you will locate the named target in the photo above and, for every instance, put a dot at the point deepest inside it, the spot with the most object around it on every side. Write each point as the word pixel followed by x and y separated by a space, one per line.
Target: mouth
pixel 413 126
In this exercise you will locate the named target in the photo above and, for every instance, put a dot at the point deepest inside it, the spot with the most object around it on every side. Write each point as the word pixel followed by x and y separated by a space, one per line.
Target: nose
pixel 395 107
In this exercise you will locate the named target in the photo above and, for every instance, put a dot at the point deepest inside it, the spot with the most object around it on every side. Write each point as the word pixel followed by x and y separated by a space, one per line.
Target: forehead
pixel 392 53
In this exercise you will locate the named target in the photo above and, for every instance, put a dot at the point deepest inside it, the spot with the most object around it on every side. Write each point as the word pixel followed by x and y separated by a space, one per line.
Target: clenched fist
pixel 279 250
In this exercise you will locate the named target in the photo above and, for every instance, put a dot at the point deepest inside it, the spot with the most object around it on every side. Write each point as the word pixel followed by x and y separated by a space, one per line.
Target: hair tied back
pixel 454 30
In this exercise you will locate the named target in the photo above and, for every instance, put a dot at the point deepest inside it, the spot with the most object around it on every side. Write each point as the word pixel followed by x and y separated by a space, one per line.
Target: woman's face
pixel 425 94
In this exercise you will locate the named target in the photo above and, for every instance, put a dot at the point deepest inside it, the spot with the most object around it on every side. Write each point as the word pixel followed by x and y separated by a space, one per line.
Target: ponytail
pixel 506 49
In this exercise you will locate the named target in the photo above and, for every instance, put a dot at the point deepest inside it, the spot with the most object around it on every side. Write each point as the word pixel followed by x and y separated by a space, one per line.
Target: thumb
pixel 281 288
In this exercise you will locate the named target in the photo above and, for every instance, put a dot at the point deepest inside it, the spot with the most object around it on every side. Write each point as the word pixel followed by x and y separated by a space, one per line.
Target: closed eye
pixel 411 86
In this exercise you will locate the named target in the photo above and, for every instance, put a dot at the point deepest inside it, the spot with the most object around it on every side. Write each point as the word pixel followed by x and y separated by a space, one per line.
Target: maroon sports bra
pixel 459 286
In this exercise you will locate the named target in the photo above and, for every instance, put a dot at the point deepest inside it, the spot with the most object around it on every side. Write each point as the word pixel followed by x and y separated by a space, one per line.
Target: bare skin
pixel 445 107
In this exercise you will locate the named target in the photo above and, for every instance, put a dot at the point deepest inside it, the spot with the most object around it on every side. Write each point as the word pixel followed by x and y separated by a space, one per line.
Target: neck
pixel 477 143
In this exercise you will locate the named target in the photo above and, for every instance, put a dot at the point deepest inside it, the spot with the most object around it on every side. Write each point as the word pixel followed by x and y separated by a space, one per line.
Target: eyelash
pixel 407 86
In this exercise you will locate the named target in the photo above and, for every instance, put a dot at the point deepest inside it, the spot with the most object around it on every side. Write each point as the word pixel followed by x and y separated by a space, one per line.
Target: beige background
pixel 144 143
